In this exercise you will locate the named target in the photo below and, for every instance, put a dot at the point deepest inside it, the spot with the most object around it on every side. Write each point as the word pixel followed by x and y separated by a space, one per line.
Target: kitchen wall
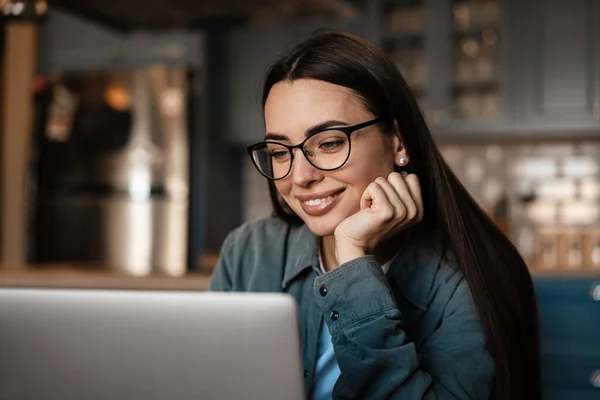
pixel 547 193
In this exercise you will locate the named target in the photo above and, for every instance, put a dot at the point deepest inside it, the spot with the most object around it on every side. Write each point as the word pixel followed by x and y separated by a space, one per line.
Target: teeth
pixel 316 202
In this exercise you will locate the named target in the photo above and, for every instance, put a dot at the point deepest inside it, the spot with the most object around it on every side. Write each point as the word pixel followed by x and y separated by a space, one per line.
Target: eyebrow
pixel 314 129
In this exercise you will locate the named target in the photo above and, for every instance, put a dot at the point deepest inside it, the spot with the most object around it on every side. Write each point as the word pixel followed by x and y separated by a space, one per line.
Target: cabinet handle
pixel 596 111
pixel 595 292
pixel 595 379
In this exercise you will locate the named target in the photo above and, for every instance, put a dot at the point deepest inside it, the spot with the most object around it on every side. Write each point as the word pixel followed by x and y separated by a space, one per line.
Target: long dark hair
pixel 499 281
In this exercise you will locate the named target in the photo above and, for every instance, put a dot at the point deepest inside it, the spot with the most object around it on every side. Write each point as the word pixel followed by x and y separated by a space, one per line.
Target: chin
pixel 322 226
pixel 320 229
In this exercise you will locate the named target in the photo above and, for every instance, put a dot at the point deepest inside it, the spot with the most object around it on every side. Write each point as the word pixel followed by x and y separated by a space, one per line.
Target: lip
pixel 324 207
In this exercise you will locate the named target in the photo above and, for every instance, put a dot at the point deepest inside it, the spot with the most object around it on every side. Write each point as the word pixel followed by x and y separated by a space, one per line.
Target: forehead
pixel 303 103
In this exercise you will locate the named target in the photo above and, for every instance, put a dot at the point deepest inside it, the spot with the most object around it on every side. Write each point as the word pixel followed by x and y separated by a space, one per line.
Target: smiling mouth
pixel 318 202
pixel 320 206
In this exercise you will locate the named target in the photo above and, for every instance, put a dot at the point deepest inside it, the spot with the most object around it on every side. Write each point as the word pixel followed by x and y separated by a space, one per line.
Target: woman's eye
pixel 279 155
pixel 331 145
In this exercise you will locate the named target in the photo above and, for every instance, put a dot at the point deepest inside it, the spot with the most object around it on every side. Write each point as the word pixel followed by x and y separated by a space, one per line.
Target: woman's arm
pixel 376 358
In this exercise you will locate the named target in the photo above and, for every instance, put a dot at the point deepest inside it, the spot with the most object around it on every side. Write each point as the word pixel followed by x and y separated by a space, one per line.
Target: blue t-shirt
pixel 327 370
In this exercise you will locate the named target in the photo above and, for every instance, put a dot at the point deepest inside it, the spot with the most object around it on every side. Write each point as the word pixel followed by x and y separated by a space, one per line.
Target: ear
pixel 401 157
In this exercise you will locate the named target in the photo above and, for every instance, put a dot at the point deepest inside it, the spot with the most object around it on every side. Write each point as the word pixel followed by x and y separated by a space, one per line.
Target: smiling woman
pixel 406 290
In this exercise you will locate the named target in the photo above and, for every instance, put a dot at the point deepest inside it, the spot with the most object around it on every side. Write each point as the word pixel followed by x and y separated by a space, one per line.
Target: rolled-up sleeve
pixel 378 360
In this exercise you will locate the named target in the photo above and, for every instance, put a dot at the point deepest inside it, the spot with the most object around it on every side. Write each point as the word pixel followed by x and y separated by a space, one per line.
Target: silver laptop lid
pixel 75 344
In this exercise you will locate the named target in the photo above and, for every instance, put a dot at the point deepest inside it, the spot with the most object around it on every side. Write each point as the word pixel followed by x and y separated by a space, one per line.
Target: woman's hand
pixel 386 207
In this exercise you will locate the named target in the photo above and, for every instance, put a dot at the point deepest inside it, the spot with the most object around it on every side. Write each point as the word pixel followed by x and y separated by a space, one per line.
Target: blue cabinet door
pixel 569 313
pixel 559 69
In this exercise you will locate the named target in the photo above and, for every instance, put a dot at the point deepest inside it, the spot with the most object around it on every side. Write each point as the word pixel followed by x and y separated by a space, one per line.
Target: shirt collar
pixel 302 253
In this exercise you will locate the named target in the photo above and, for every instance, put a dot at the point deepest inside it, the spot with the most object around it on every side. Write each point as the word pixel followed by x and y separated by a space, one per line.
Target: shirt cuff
pixel 353 291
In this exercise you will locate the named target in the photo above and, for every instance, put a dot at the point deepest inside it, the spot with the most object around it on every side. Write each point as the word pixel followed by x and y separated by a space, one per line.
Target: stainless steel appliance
pixel 111 177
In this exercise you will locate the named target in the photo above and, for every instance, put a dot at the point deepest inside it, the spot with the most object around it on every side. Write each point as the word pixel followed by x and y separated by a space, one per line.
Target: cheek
pixel 360 173
pixel 373 158
pixel 283 187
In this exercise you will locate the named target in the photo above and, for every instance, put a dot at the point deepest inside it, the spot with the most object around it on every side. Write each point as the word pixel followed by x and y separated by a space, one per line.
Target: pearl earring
pixel 402 161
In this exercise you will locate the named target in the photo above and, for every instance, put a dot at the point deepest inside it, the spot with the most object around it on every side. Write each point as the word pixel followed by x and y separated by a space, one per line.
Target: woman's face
pixel 323 199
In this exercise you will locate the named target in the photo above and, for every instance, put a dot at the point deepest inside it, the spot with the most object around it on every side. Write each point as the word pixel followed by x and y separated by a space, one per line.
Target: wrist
pixel 345 252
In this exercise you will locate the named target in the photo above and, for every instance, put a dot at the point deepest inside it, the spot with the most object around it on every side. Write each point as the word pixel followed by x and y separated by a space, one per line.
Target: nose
pixel 304 173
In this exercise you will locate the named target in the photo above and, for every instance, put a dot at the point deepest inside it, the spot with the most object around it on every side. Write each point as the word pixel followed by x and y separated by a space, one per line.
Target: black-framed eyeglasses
pixel 326 150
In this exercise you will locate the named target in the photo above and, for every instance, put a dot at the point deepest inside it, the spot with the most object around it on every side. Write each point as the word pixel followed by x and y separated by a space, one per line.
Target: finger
pixel 398 182
pixel 414 185
pixel 393 197
pixel 374 197
pixel 412 181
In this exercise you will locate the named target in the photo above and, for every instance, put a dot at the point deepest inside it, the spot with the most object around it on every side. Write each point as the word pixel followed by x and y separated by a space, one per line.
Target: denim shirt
pixel 412 333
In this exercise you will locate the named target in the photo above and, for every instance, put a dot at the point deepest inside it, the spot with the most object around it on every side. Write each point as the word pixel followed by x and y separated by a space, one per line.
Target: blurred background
pixel 123 127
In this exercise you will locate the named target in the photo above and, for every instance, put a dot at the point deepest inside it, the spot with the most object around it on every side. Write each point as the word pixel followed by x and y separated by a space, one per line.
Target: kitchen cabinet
pixel 491 69
pixel 456 57
pixel 569 313
pixel 69 43
pixel 558 61
pixel 405 40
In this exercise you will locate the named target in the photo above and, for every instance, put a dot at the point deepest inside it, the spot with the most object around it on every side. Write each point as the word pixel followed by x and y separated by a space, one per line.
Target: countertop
pixel 566 273
pixel 71 277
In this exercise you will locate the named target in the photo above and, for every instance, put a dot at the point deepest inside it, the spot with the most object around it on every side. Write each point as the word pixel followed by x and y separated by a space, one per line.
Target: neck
pixel 383 253
pixel 328 253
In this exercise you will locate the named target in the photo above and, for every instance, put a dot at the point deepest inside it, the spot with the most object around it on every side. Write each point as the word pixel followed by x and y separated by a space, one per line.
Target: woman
pixel 406 290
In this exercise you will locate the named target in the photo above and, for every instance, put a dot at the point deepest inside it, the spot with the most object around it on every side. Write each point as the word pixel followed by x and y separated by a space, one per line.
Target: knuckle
pixel 394 175
pixel 387 213
pixel 400 208
pixel 413 212
pixel 413 178
pixel 373 184
pixel 379 180
pixel 402 212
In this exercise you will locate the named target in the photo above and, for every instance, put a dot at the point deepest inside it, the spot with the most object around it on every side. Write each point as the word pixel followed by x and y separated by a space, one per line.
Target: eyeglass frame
pixel 347 130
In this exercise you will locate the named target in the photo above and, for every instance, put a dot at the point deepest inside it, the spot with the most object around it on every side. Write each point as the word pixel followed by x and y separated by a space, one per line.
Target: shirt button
pixel 334 315
pixel 306 373
pixel 323 291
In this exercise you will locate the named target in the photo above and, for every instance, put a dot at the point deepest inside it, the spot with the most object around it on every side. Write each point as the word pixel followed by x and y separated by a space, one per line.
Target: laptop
pixel 109 344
